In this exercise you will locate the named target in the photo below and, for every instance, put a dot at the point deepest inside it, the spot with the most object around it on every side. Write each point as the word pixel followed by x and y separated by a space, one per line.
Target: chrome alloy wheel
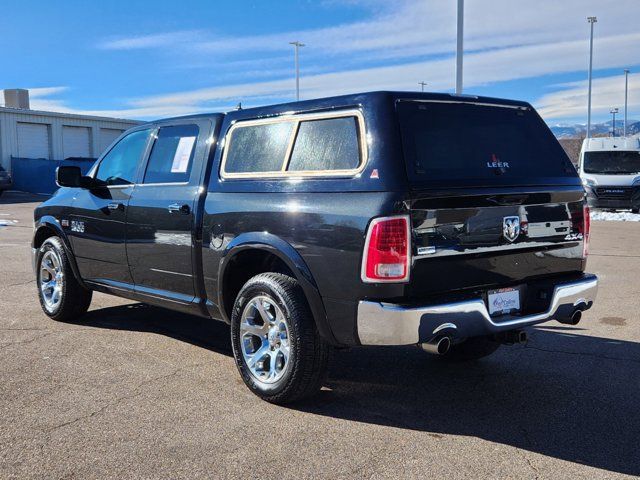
pixel 51 279
pixel 264 339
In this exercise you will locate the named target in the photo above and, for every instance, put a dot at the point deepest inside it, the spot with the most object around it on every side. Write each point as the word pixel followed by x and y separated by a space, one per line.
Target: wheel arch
pixel 259 250
pixel 47 227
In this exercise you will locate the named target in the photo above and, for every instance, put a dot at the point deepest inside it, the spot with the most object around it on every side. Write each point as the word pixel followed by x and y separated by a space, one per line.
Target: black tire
pixel 74 299
pixel 308 353
pixel 471 349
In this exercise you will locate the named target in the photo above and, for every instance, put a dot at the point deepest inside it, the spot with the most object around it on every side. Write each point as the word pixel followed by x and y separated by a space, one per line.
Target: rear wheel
pixel 276 345
pixel 471 349
pixel 61 296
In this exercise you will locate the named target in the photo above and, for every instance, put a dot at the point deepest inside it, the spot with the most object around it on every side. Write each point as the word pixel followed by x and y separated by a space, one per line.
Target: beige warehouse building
pixel 32 134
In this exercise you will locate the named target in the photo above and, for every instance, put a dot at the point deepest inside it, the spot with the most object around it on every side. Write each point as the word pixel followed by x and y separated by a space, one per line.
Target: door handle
pixel 115 206
pixel 175 208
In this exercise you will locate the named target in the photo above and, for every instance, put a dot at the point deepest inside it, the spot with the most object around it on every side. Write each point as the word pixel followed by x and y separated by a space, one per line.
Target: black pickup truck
pixel 381 218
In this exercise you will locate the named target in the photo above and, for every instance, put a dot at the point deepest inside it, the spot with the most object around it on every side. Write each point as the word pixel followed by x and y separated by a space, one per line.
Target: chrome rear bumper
pixel 391 324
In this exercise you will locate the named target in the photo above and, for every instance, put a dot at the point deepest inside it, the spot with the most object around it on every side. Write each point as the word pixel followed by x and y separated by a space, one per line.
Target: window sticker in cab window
pixel 182 155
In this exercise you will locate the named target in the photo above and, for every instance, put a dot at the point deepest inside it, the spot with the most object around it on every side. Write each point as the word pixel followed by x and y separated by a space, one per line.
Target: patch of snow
pixel 615 216
pixel 5 223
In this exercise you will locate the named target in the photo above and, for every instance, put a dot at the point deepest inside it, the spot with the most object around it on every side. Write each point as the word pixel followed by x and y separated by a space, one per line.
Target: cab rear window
pixel 472 144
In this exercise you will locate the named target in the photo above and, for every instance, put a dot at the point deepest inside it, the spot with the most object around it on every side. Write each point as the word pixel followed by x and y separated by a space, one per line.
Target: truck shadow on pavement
pixel 564 395
pixel 11 198
pixel 139 317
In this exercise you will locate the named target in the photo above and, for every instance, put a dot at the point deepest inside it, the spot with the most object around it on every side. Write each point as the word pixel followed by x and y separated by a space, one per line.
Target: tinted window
pixel 172 154
pixel 619 162
pixel 258 148
pixel 119 166
pixel 458 143
pixel 330 144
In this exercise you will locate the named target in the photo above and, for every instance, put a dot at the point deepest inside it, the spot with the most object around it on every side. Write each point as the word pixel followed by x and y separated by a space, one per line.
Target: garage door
pixel 107 136
pixel 76 142
pixel 33 140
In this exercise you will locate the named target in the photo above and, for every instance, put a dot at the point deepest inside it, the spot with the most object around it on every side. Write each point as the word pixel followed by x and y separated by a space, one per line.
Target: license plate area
pixel 503 301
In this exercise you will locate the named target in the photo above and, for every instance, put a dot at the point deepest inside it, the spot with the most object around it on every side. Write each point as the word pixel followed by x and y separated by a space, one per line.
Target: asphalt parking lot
pixel 139 392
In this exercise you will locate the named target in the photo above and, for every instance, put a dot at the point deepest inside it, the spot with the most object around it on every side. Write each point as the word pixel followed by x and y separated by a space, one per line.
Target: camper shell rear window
pixel 467 144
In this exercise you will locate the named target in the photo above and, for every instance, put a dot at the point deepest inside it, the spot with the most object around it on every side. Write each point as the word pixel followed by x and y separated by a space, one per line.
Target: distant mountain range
pixel 579 130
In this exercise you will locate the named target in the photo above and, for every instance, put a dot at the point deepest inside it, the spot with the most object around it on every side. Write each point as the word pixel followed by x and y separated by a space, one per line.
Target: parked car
pixel 371 219
pixel 5 180
pixel 610 170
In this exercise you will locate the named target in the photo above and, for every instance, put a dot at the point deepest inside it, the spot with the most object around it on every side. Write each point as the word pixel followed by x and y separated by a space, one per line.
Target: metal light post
pixel 613 129
pixel 296 46
pixel 626 97
pixel 591 20
pixel 422 84
pixel 459 47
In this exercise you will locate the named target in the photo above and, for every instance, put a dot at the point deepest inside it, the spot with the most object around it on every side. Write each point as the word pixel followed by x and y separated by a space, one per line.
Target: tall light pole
pixel 591 20
pixel 296 46
pixel 626 98
pixel 422 84
pixel 613 129
pixel 459 47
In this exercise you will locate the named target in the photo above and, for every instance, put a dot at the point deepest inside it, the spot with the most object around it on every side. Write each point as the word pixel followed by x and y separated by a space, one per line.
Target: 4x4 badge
pixel 511 228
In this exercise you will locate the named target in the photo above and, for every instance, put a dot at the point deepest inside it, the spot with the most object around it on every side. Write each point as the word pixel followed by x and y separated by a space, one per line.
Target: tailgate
pixel 495 201
pixel 494 238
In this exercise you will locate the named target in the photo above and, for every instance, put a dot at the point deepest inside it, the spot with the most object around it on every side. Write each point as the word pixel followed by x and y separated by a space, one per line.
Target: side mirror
pixel 69 176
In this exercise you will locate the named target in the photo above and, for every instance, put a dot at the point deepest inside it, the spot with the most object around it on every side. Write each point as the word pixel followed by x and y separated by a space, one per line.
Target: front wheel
pixel 277 348
pixel 61 296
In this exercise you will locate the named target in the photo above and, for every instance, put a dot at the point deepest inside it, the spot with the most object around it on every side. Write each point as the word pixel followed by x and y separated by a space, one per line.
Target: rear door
pixel 160 221
pixel 494 199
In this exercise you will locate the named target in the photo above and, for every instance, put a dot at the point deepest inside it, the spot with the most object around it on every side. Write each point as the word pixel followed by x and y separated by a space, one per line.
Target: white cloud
pixel 39 92
pixel 480 68
pixel 156 40
pixel 406 41
pixel 607 92
pixel 416 26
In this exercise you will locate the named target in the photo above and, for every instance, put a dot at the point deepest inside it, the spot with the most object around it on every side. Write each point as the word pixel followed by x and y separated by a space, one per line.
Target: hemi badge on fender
pixel 65 223
pixel 426 250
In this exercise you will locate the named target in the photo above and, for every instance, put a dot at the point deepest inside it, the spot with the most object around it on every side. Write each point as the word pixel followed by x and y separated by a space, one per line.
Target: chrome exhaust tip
pixel 437 346
pixel 574 319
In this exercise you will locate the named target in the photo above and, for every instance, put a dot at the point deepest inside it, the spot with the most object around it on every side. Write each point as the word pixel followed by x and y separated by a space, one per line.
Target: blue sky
pixel 140 59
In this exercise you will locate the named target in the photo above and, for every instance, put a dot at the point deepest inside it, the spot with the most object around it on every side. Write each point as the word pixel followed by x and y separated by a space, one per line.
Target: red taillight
pixel 387 250
pixel 586 228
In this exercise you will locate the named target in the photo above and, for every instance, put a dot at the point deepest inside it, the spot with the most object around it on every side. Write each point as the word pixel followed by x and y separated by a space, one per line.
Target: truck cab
pixel 447 222
pixel 610 171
